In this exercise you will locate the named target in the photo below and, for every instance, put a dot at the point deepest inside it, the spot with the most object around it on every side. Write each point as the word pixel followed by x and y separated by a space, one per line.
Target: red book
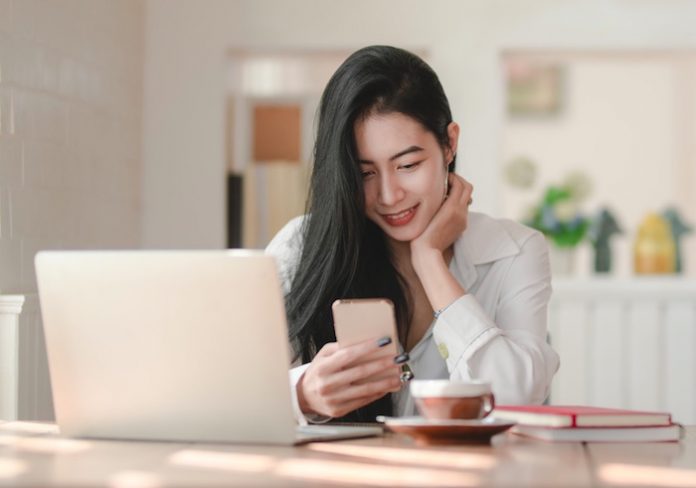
pixel 579 416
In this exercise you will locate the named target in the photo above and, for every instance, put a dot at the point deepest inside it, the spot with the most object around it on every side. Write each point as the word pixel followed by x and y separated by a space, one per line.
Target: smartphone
pixel 361 319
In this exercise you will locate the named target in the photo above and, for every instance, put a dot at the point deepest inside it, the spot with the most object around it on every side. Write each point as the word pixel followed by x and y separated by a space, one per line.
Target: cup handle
pixel 489 404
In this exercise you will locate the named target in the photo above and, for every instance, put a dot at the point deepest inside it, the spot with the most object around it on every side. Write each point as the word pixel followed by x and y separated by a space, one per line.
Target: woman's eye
pixel 410 165
pixel 367 174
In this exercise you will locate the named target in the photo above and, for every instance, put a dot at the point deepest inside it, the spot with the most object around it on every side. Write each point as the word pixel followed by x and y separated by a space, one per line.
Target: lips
pixel 400 218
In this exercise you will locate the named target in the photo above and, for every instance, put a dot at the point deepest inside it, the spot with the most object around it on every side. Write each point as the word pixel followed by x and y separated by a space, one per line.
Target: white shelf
pixel 667 287
pixel 10 308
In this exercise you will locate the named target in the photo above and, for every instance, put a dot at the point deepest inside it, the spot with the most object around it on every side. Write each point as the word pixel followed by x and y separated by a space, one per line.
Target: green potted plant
pixel 557 214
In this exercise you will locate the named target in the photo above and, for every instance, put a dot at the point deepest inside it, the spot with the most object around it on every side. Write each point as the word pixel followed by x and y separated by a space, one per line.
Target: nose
pixel 390 191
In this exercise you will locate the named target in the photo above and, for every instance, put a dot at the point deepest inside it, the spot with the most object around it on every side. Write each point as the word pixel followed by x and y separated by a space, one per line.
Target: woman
pixel 388 217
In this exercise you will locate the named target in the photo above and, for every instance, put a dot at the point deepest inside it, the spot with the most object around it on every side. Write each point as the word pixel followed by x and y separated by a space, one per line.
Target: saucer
pixel 425 431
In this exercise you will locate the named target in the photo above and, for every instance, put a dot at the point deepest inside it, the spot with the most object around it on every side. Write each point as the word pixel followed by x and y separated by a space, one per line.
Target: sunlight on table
pixel 341 471
pixel 29 427
pixel 10 468
pixel 135 479
pixel 372 474
pixel 45 444
pixel 439 458
pixel 230 461
pixel 635 475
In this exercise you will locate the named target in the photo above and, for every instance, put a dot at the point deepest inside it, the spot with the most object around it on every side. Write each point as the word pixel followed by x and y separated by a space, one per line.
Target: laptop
pixel 171 346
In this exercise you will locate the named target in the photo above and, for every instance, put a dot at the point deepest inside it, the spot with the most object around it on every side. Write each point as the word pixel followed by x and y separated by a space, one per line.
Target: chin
pixel 403 234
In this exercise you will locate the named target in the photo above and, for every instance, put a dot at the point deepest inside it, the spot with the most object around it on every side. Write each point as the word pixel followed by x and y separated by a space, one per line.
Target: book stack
pixel 589 424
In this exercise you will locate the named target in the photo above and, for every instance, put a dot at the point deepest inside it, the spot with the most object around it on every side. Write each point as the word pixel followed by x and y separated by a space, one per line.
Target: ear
pixel 453 136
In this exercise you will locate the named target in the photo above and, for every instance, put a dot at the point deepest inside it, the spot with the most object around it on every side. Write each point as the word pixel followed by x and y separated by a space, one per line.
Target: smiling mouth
pixel 400 218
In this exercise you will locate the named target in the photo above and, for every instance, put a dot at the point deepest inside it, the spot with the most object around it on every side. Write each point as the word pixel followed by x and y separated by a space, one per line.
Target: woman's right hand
pixel 328 386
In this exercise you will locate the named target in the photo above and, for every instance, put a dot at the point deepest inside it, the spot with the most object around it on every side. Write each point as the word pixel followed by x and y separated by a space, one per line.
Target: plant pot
pixel 562 260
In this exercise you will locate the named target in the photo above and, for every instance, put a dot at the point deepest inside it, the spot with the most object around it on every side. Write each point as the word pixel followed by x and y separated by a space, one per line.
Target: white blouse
pixel 495 332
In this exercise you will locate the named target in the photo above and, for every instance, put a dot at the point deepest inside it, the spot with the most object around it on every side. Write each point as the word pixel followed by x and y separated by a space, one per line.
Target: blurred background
pixel 180 124
pixel 189 124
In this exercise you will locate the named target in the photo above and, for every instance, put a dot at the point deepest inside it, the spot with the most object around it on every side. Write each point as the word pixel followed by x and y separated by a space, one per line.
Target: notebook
pixel 172 346
pixel 662 433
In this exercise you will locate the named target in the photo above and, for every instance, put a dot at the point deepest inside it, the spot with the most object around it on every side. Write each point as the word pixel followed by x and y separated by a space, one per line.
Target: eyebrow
pixel 406 151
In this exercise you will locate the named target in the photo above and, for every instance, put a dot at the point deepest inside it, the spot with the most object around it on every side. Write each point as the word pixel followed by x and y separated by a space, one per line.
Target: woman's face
pixel 404 172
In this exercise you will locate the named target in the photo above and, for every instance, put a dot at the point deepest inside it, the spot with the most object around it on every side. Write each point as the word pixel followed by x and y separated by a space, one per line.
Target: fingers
pixel 360 395
pixel 344 357
pixel 328 349
pixel 364 390
pixel 364 370
pixel 332 385
pixel 340 411
pixel 327 396
pixel 460 190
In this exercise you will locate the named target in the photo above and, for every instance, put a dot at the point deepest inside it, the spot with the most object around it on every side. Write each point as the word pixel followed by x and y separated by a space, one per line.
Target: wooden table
pixel 31 455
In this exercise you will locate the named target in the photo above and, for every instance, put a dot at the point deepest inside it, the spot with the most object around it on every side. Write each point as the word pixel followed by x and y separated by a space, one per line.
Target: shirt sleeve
pixel 301 417
pixel 286 248
pixel 511 351
pixel 295 375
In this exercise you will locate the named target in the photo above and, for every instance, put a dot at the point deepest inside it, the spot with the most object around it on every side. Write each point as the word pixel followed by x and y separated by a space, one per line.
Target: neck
pixel 401 252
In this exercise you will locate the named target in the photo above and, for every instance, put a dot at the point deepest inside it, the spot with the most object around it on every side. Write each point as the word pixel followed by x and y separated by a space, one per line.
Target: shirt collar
pixel 484 241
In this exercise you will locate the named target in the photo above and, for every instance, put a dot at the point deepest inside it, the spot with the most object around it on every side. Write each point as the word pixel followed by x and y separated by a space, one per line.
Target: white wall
pixel 185 64
pixel 624 124
pixel 70 129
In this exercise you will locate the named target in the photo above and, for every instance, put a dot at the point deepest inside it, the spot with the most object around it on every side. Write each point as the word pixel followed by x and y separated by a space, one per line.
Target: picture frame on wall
pixel 534 88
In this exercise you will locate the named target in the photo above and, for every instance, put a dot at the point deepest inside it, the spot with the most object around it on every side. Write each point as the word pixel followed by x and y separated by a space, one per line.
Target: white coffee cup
pixel 451 399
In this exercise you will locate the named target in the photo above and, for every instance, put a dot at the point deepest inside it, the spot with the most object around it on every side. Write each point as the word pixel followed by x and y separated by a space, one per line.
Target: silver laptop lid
pixel 168 345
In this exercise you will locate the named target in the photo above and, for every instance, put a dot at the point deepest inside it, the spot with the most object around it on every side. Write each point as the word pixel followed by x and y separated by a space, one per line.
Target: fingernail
pixel 384 341
pixel 401 358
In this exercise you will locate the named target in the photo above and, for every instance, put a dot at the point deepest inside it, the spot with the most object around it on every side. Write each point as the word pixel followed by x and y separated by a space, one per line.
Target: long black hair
pixel 344 254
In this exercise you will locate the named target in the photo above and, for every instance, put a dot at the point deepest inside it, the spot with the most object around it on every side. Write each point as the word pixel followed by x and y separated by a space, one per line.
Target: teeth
pixel 400 214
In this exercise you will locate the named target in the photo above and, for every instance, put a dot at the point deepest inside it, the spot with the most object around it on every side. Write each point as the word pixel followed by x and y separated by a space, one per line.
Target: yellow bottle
pixel 654 250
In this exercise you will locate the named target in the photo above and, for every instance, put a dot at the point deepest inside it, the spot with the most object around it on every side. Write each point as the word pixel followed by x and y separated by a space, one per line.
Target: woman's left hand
pixel 449 221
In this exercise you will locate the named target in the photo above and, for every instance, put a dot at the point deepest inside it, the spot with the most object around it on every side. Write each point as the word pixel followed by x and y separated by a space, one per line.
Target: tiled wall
pixel 70 149
pixel 70 129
